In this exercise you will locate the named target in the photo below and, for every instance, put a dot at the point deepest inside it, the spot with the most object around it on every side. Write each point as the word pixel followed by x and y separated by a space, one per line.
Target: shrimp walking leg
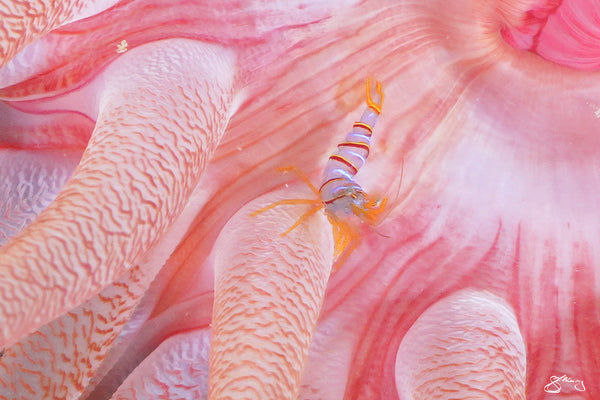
pixel 301 175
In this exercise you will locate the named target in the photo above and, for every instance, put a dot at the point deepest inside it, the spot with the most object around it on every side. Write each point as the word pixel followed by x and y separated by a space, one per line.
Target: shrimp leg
pixel 317 204
pixel 283 202
pixel 301 175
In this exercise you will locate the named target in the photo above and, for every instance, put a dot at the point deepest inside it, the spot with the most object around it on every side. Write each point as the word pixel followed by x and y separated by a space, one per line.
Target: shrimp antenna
pixel 400 182
pixel 374 230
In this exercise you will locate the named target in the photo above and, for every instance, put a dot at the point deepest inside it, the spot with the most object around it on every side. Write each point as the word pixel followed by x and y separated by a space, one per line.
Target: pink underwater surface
pixel 130 266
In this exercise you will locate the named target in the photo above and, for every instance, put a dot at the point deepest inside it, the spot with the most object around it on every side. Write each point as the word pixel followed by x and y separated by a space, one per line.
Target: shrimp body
pixel 339 194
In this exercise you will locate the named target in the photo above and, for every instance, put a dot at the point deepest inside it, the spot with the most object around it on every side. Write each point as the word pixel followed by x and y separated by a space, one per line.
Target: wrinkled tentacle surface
pixel 91 208
pixel 130 266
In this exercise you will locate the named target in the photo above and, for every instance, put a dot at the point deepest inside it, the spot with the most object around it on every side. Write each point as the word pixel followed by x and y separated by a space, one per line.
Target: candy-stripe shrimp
pixel 339 194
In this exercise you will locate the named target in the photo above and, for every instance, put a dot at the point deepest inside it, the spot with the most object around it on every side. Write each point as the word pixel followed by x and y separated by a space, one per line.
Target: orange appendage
pixel 345 234
pixel 316 206
pixel 372 211
pixel 375 106
pixel 345 238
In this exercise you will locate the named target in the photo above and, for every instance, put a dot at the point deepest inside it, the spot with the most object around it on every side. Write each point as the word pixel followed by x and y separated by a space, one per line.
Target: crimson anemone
pixel 130 170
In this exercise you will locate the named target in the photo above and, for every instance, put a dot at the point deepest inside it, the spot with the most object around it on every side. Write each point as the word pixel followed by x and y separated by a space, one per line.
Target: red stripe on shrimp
pixel 327 202
pixel 368 127
pixel 343 160
pixel 359 145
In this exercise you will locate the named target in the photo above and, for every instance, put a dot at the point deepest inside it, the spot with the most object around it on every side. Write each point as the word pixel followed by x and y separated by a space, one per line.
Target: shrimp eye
pixel 375 203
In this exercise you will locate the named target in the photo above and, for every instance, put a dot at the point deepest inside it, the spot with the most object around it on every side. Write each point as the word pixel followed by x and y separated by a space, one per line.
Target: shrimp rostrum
pixel 340 195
